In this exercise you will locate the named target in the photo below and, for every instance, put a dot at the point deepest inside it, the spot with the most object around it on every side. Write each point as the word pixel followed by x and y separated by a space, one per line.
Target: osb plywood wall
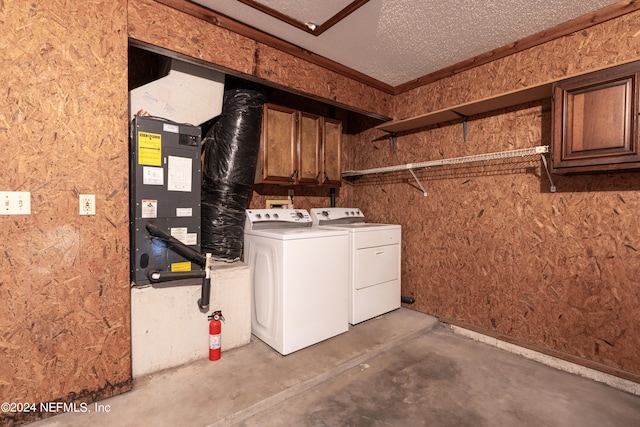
pixel 64 288
pixel 490 245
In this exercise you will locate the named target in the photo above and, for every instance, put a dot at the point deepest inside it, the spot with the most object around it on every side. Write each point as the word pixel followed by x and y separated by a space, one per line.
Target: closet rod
pixel 541 149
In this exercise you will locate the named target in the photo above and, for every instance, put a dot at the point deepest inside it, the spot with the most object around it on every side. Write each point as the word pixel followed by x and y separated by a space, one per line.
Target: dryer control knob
pixel 299 214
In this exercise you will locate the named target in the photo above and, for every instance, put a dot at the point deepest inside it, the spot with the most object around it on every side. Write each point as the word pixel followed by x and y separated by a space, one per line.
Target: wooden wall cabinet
pixel 298 148
pixel 331 147
pixel 595 121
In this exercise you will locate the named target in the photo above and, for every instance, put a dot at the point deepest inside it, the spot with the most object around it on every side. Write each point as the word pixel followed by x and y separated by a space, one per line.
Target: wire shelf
pixel 523 152
pixel 533 151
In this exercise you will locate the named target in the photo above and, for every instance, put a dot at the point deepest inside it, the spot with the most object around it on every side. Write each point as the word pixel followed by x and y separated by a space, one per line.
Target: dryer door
pixel 375 265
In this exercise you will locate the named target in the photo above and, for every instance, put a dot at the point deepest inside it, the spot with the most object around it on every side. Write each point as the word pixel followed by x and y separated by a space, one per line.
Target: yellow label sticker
pixel 181 266
pixel 149 149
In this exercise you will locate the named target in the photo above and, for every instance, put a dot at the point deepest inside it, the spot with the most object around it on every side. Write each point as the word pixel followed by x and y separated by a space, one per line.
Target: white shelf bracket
pixel 546 167
pixel 393 141
pixel 424 192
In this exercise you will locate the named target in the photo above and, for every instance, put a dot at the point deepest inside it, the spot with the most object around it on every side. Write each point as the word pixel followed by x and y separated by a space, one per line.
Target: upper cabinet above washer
pixel 595 121
pixel 298 148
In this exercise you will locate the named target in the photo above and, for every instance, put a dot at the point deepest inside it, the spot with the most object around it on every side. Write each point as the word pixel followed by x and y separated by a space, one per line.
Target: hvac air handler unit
pixel 165 176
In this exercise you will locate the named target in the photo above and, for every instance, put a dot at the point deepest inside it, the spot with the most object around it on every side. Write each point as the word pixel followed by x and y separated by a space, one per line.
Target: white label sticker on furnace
pixel 149 209
pixel 152 176
pixel 180 233
pixel 179 174
pixel 191 239
pixel 184 212
pixel 170 128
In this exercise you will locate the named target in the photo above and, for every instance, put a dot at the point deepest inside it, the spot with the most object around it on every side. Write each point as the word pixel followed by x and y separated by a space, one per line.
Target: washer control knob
pixel 325 213
pixel 299 214
pixel 267 216
pixel 258 216
pixel 275 215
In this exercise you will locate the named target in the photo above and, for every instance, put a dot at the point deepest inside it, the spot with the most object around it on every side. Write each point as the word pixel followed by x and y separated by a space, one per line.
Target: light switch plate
pixel 87 204
pixel 15 203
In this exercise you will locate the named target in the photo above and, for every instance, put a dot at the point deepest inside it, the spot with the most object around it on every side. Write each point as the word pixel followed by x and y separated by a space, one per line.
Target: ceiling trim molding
pixel 611 12
pixel 340 16
pixel 237 27
pixel 307 26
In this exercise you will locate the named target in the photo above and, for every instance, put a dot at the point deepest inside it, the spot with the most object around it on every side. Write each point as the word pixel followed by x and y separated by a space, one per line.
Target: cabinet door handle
pixel 380 253
pixel 293 174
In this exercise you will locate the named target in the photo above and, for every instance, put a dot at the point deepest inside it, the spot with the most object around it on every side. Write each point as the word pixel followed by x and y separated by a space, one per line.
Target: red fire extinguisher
pixel 215 329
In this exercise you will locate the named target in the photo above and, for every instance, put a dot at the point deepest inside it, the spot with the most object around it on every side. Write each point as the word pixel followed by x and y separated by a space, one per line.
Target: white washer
pixel 299 278
pixel 374 261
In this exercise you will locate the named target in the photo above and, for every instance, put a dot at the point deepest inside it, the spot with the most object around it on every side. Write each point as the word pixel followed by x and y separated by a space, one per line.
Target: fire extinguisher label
pixel 214 342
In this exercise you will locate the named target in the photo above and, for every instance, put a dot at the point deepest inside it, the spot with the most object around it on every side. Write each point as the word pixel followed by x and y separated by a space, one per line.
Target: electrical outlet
pixel 15 203
pixel 87 204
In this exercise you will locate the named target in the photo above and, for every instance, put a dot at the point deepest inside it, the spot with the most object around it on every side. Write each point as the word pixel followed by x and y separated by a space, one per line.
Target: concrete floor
pixel 401 369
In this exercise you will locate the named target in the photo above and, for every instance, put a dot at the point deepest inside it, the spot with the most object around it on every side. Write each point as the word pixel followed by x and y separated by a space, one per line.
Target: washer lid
pixel 297 233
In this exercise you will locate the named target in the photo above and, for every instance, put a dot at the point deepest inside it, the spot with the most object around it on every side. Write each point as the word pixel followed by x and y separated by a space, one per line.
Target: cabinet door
pixel 332 142
pixel 308 149
pixel 277 162
pixel 595 121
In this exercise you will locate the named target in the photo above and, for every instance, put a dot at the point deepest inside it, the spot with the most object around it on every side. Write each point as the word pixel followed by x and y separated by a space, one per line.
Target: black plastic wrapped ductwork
pixel 231 149
pixel 232 144
pixel 223 219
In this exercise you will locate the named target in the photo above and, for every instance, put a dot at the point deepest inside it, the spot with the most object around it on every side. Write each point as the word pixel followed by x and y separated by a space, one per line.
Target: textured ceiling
pixel 396 41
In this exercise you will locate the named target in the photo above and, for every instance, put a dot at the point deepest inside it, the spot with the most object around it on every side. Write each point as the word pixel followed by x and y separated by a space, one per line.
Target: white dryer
pixel 374 261
pixel 299 278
